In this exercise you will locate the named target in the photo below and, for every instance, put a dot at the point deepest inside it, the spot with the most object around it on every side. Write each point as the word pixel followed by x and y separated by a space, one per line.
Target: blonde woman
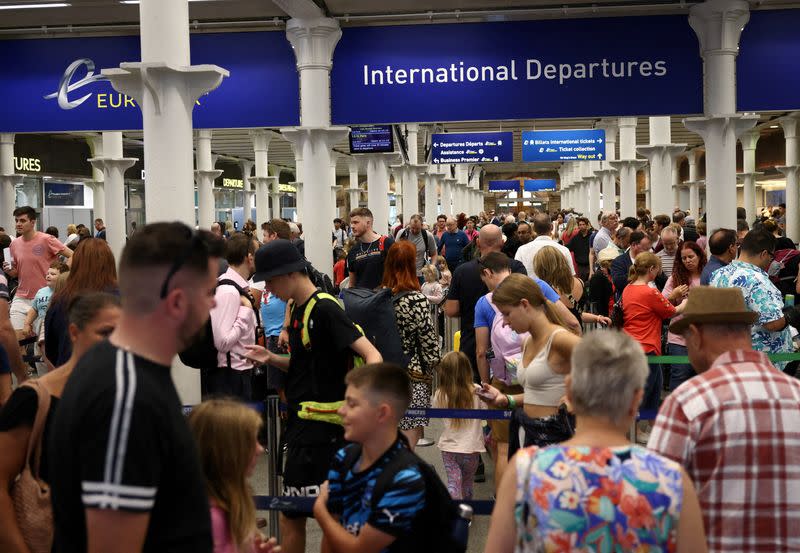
pixel 550 266
pixel 546 355
pixel 226 434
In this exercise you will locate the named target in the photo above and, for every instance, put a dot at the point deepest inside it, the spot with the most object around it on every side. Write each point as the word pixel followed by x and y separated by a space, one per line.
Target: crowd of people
pixel 561 323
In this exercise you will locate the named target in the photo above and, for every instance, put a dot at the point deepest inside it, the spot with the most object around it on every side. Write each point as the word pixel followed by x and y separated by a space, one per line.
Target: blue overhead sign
pixel 539 185
pixel 517 70
pixel 503 185
pixel 53 85
pixel 769 51
pixel 584 145
pixel 472 147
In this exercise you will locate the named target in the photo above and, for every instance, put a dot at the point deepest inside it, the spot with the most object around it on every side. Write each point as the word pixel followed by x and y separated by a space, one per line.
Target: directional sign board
pixel 503 185
pixel 539 185
pixel 473 147
pixel 580 145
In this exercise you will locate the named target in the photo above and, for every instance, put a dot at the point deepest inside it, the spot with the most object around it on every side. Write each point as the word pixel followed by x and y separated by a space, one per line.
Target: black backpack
pixel 321 281
pixel 202 354
pixel 373 311
pixel 434 527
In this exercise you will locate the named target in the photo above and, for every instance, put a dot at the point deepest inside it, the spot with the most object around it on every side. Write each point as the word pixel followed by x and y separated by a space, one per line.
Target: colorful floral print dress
pixel 604 500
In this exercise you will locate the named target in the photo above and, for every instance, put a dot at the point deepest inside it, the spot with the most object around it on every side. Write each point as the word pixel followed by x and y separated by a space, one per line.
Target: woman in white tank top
pixel 546 358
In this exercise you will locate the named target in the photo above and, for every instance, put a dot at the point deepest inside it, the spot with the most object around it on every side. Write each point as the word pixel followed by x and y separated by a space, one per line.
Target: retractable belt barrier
pixel 306 504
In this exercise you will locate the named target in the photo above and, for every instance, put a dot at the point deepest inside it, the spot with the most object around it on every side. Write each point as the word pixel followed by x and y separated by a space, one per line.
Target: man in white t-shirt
pixel 32 252
pixel 543 228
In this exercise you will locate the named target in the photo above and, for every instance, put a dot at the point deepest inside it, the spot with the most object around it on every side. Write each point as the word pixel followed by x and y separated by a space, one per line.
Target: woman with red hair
pixel 92 269
pixel 414 324
pixel 689 262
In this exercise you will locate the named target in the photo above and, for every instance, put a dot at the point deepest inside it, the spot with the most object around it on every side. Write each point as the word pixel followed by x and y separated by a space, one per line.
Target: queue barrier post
pixel 273 444
pixel 451 326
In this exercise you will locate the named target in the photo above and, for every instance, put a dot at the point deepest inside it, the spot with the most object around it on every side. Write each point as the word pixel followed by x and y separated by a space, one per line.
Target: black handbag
pixel 540 432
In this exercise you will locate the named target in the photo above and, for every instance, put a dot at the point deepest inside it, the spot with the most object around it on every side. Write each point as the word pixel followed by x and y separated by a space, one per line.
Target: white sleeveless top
pixel 542 386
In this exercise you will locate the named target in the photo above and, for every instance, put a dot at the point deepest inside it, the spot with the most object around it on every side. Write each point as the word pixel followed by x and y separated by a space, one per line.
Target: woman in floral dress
pixel 597 491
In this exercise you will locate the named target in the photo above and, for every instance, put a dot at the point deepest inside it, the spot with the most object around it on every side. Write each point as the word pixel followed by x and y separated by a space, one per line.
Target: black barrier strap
pixel 305 505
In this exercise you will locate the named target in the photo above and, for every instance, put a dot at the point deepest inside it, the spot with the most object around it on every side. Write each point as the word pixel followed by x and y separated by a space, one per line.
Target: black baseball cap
pixel 276 258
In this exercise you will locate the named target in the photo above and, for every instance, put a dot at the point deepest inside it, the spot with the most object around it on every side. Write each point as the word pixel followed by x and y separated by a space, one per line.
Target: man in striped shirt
pixel 670 241
pixel 735 427
pixel 128 477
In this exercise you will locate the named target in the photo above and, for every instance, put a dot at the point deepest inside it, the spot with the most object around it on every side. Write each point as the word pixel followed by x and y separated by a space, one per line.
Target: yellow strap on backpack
pixel 321 411
pixel 305 336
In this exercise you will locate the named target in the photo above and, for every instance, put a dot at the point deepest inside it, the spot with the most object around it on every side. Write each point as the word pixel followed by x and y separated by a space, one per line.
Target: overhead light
pixel 32 6
pixel 774 126
pixel 138 1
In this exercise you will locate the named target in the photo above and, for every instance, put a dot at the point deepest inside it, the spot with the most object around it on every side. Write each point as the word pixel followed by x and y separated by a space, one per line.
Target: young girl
pixel 225 432
pixel 444 271
pixel 461 443
pixel 431 287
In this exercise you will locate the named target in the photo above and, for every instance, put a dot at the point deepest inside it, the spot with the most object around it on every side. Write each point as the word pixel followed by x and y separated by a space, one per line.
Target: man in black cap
pixel 323 342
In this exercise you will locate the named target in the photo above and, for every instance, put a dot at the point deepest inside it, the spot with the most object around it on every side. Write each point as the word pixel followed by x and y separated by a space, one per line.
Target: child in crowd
pixel 461 442
pixel 376 398
pixel 41 301
pixel 225 432
pixel 444 272
pixel 338 267
pixel 431 287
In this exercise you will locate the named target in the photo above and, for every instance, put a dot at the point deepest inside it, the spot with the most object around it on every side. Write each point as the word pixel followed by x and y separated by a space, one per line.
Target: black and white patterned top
pixel 420 341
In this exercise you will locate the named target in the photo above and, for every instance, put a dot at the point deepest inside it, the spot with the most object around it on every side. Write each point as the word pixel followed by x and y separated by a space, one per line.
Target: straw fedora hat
pixel 708 305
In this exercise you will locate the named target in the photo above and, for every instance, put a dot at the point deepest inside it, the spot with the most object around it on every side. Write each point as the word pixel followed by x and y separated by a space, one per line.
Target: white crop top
pixel 542 386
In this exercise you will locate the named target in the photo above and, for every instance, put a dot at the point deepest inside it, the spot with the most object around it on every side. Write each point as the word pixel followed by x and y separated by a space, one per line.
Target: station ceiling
pixel 92 17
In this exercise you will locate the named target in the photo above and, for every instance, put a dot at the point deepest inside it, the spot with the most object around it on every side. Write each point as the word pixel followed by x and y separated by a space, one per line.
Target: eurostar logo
pixel 65 85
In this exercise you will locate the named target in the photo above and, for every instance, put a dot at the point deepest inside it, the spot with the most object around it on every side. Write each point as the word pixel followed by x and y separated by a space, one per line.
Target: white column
pixel 8 183
pixel 627 166
pixel 97 184
pixel 113 165
pixel 249 193
pixel 718 25
pixel 431 208
pixel 680 190
pixel 411 174
pixel 694 183
pixel 299 200
pixel 334 188
pixel 648 199
pixel 378 188
pixel 205 176
pixel 313 39
pixel 593 182
pixel 792 172
pixel 749 174
pixel 261 141
pixel 166 87
pixel 661 154
pixel 450 185
pixel 275 197
pixel 608 173
pixel 354 190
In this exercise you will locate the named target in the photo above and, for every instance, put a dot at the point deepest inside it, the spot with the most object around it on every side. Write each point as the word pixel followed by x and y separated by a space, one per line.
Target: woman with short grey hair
pixel 597 491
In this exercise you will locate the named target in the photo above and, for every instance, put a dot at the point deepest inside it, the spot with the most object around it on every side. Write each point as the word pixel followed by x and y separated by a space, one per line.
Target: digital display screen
pixel 370 139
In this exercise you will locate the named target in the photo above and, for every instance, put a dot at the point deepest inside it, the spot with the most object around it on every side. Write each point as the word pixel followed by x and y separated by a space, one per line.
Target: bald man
pixel 467 288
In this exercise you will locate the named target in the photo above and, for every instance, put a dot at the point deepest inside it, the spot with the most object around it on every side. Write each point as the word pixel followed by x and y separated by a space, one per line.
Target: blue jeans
pixel 678 373
pixel 652 388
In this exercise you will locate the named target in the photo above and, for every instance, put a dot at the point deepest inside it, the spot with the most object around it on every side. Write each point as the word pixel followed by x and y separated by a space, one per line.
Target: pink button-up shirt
pixel 233 324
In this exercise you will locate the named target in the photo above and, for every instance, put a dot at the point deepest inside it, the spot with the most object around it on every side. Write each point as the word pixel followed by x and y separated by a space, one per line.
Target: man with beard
pixel 581 249
pixel 128 476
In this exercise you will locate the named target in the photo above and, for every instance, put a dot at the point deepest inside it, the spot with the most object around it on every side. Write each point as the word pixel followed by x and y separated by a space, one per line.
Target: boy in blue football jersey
pixel 357 510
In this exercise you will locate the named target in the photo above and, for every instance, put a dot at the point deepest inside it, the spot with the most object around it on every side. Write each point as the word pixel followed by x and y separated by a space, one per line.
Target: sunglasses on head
pixel 196 245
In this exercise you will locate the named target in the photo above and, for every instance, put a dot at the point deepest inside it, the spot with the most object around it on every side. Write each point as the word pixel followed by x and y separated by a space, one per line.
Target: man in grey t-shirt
pixel 423 240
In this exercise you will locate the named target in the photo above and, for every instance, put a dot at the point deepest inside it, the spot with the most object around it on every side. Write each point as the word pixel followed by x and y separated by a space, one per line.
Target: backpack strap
pixel 351 456
pixel 256 311
pixel 401 460
pixel 35 440
pixel 305 336
pixel 381 240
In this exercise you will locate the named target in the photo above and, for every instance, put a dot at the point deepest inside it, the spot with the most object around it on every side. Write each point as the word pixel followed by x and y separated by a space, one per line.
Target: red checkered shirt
pixel 736 430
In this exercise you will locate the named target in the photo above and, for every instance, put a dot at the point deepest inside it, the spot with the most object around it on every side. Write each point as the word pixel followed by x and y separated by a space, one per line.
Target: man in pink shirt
pixel 32 252
pixel 233 321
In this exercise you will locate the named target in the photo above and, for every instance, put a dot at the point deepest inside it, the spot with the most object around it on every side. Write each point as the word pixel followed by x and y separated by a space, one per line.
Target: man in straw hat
pixel 735 427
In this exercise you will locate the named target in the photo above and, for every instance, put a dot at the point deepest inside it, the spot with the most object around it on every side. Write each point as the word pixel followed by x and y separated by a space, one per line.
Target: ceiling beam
pixel 300 9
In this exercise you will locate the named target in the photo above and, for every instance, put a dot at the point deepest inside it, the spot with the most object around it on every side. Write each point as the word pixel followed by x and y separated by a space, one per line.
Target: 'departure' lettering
pixel 534 69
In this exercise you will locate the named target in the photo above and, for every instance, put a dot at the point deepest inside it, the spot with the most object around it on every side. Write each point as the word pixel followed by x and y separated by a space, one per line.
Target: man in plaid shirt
pixel 735 427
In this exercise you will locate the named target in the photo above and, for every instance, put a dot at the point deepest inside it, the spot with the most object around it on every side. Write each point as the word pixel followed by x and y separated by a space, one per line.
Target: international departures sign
pixel 646 65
